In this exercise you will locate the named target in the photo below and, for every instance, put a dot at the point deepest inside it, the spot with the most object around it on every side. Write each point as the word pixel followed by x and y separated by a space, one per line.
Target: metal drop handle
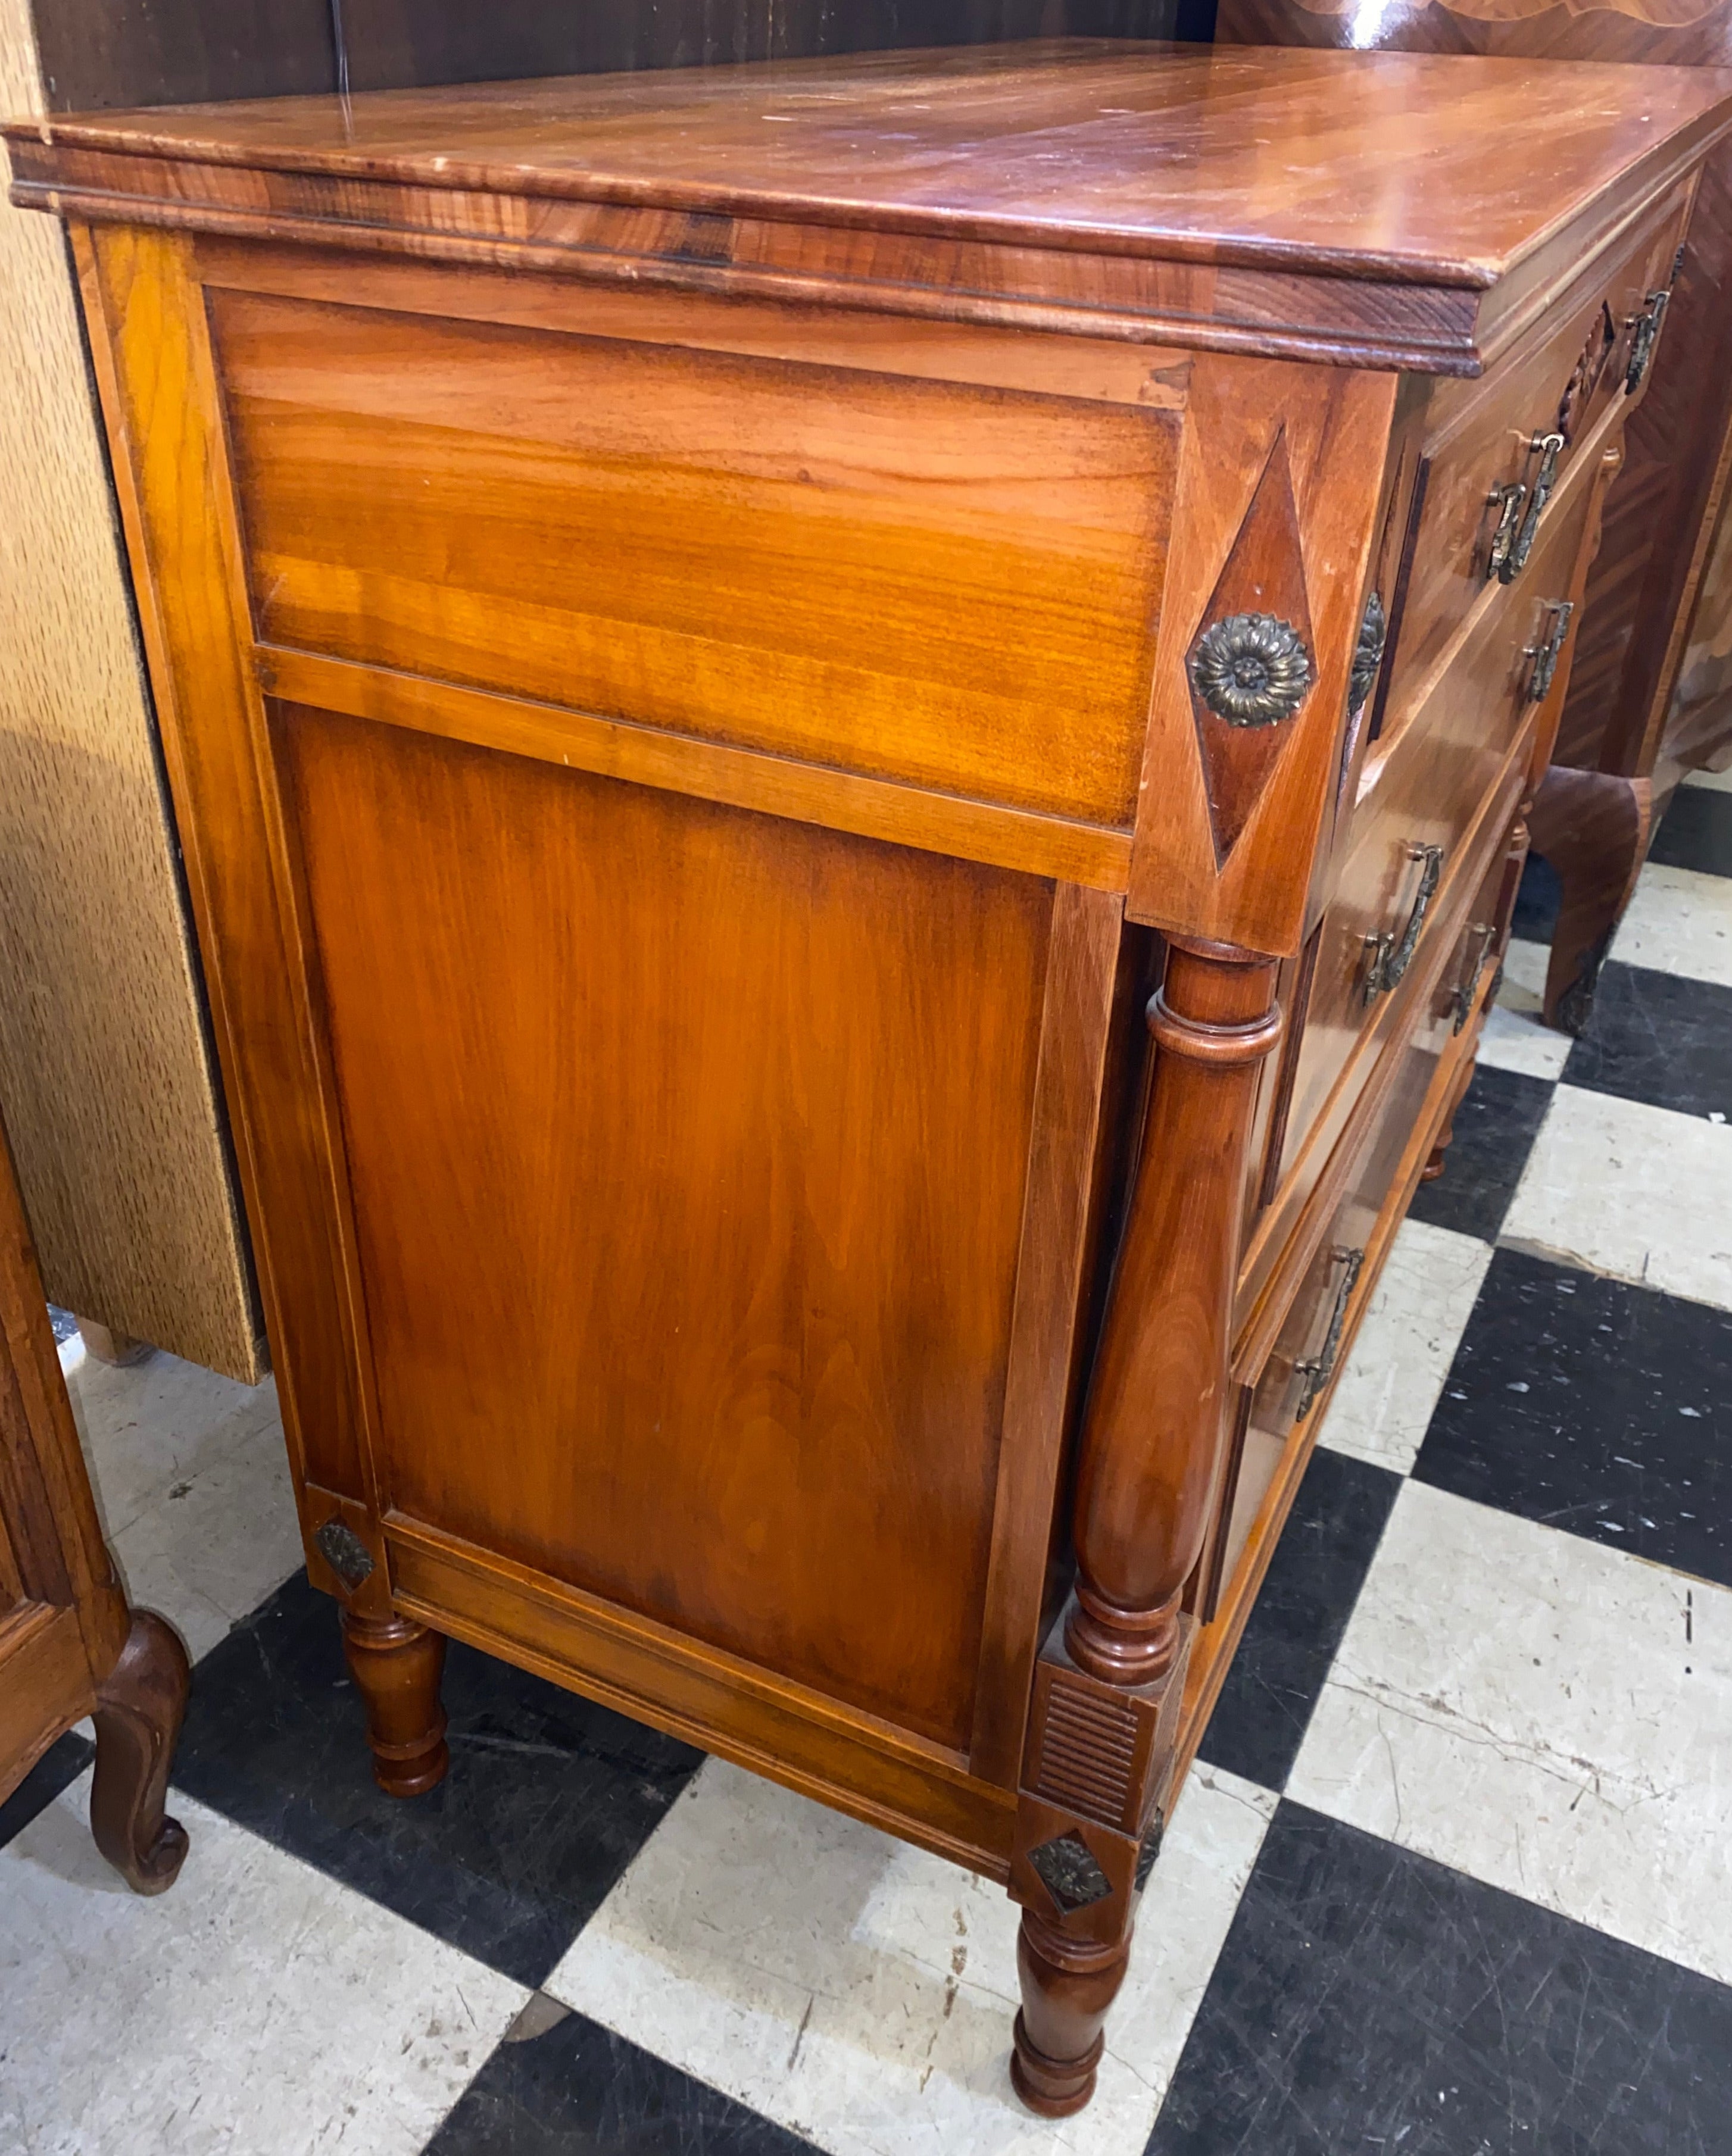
pixel 1468 993
pixel 1548 448
pixel 1545 656
pixel 1317 1369
pixel 1646 336
pixel 1391 958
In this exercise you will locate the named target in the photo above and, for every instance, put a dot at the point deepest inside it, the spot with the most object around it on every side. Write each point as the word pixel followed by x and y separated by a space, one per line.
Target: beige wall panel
pixel 104 1069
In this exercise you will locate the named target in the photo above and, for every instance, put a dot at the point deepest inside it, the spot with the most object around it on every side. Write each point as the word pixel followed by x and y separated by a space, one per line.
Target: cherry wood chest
pixel 852 740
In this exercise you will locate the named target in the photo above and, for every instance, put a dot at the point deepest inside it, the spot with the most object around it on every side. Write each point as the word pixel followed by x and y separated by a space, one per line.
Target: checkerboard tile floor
pixel 1453 1877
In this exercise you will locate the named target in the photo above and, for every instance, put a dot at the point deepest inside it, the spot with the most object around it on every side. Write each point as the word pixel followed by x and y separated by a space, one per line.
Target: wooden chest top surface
pixel 1397 166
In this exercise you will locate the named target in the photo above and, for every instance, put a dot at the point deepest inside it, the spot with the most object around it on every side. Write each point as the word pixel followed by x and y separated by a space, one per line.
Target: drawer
pixel 1326 1305
pixel 925 580
pixel 1421 800
pixel 1496 457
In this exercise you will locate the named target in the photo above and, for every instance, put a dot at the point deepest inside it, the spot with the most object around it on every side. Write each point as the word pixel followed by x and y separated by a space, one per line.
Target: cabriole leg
pixel 137 1716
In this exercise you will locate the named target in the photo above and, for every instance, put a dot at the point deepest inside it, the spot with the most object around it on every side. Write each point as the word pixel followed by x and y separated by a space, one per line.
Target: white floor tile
pixel 1545 1714
pixel 1517 1041
pixel 152 1425
pixel 1679 922
pixel 257 2008
pixel 216 1546
pixel 1715 782
pixel 1401 1356
pixel 1638 1192
pixel 1523 987
pixel 192 1480
pixel 862 1993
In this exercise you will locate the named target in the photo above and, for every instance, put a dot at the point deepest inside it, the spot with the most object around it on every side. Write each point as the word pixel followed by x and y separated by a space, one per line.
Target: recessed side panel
pixel 953 585
pixel 688 1148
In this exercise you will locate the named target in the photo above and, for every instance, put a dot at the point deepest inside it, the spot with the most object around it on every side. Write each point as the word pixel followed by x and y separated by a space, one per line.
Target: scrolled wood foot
pixel 138 1718
pixel 1594 829
pixel 1068 1986
pixel 396 1665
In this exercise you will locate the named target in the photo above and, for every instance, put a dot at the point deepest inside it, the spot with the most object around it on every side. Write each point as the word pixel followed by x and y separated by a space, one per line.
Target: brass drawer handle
pixel 1647 335
pixel 1548 448
pixel 1389 958
pixel 1545 656
pixel 1508 500
pixel 1468 993
pixel 1317 1369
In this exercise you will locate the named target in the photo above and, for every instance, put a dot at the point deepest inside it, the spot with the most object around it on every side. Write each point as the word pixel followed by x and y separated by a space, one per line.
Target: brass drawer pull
pixel 1548 448
pixel 1390 959
pixel 1317 1370
pixel 1509 500
pixel 1647 335
pixel 1545 656
pixel 1485 933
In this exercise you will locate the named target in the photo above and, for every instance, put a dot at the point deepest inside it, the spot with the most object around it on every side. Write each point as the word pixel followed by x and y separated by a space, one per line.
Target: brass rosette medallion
pixel 1252 669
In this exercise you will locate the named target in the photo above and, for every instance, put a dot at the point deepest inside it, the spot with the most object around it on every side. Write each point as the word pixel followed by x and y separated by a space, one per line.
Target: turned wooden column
pixel 1157 1406
pixel 1108 1684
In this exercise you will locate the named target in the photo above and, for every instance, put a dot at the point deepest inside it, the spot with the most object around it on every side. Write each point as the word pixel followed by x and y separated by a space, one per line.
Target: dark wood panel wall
pixel 98 53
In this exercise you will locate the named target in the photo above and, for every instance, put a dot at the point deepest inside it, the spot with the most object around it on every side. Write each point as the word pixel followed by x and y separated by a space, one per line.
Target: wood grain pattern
pixel 685 179
pixel 1630 714
pixel 595 935
pixel 104 1069
pixel 1332 430
pixel 703 1109
pixel 815 561
pixel 68 1645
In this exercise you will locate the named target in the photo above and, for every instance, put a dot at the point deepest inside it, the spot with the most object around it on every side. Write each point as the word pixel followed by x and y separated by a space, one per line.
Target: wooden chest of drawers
pixel 850 742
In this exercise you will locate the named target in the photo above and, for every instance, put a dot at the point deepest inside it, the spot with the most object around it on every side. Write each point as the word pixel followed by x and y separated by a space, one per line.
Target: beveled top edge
pixel 1368 164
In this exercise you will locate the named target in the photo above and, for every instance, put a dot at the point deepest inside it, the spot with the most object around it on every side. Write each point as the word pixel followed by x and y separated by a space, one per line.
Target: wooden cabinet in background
pixel 68 1645
pixel 789 765
pixel 1651 693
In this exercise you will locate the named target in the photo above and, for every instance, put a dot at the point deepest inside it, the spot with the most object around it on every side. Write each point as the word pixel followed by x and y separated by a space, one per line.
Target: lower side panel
pixel 693 1692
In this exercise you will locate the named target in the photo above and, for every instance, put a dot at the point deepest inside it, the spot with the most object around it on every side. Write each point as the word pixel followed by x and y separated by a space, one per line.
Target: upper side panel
pixel 944 583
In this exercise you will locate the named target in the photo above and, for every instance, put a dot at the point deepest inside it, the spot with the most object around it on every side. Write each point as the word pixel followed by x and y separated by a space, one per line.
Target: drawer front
pixel 1493 463
pixel 947 584
pixel 1339 1279
pixel 1419 800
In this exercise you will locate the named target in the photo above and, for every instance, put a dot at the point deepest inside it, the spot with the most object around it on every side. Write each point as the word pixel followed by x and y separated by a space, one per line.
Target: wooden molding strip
pixel 817 1746
pixel 984 831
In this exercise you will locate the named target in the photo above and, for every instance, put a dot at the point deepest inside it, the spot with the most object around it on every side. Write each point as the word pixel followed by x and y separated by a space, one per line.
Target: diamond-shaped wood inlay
pixel 1264 574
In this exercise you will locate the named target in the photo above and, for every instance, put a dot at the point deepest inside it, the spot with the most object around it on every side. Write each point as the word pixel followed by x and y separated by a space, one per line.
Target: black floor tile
pixel 1594 1406
pixel 548 1800
pixel 1370 2002
pixel 577 2089
pixel 64 1760
pixel 1658 1038
pixel 1495 1127
pixel 1696 832
pixel 1296 1623
pixel 1537 901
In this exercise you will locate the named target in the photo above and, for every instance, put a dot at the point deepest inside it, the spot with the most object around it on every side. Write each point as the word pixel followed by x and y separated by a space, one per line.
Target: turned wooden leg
pixel 1594 828
pixel 1110 1678
pixel 396 1665
pixel 1434 1160
pixel 138 1718
pixel 1068 1986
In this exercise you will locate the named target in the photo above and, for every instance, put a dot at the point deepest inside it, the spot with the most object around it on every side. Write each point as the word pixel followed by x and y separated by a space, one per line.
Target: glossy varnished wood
pixel 825 564
pixel 751 952
pixel 1641 709
pixel 69 1646
pixel 1014 184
